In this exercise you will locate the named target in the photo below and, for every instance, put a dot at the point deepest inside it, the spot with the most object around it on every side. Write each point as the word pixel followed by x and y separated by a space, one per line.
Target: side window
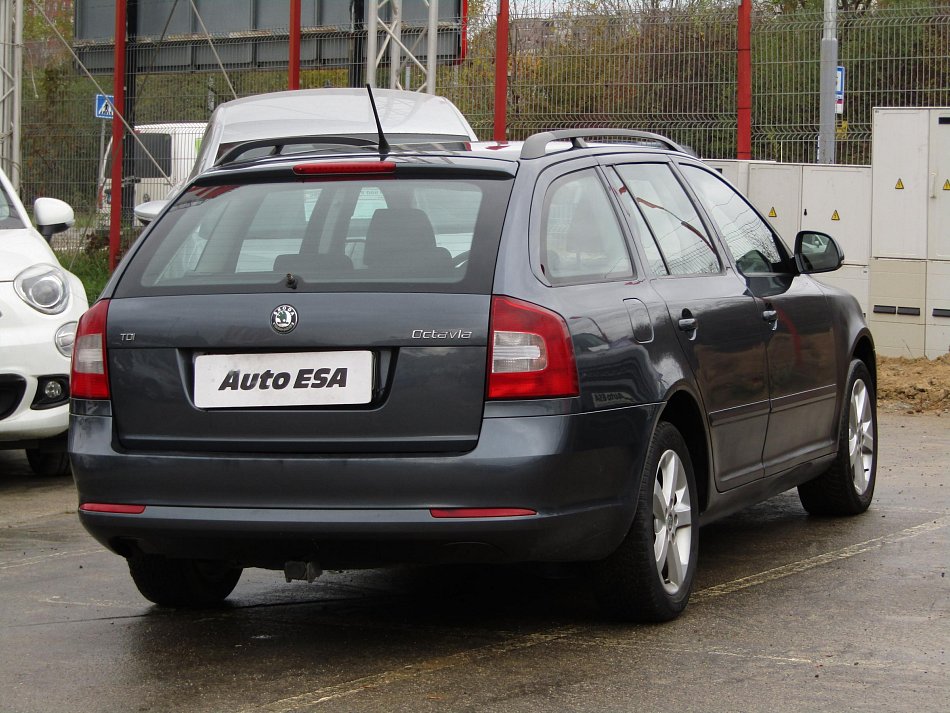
pixel 647 241
pixel 751 242
pixel 581 239
pixel 680 235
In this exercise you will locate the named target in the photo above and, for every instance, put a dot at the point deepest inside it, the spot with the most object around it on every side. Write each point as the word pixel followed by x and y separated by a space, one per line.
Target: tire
pixel 650 575
pixel 48 463
pixel 847 487
pixel 183 583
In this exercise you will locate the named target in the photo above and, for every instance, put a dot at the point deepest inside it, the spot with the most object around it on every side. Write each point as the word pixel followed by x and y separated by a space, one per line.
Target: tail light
pixel 530 352
pixel 344 167
pixel 90 373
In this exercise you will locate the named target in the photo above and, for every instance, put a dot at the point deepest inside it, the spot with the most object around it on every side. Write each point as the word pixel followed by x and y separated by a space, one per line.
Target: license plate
pixel 298 379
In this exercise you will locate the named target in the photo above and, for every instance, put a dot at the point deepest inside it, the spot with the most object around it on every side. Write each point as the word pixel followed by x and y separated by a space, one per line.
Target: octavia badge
pixel 283 319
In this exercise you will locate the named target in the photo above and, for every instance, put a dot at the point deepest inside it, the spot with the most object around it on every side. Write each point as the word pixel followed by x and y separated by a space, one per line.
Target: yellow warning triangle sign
pixel 835 216
pixel 900 185
pixel 772 213
pixel 946 185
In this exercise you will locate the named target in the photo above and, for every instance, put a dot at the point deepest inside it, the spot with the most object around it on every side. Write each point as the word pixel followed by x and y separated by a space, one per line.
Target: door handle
pixel 688 324
pixel 770 315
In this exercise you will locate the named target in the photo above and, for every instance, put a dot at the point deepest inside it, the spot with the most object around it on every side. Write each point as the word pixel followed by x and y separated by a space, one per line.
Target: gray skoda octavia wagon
pixel 325 357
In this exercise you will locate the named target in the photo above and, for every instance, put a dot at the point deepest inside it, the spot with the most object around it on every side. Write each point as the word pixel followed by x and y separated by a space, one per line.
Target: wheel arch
pixel 864 350
pixel 683 411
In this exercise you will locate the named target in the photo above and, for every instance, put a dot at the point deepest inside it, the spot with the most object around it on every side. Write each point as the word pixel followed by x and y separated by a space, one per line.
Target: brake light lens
pixel 90 373
pixel 344 167
pixel 530 353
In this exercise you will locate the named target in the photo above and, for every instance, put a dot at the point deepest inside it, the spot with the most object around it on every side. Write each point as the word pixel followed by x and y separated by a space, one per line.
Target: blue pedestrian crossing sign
pixel 104 106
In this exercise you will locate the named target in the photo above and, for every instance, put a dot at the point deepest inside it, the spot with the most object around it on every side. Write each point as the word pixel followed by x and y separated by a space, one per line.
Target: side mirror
pixel 817 252
pixel 145 213
pixel 52 216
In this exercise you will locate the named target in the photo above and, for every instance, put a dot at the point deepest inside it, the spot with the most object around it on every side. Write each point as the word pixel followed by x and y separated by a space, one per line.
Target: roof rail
pixel 277 145
pixel 535 146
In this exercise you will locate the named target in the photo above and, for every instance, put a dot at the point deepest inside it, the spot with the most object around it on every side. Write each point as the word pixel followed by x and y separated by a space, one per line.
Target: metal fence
pixel 667 70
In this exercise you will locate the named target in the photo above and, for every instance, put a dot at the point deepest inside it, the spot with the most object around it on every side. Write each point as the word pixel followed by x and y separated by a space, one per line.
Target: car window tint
pixel 680 234
pixel 351 235
pixel 277 228
pixel 748 238
pixel 153 155
pixel 453 212
pixel 580 236
pixel 8 215
pixel 647 241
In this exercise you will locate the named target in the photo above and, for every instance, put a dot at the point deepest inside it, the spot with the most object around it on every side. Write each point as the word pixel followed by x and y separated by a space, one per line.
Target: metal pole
pixel 15 156
pixel 293 59
pixel 372 35
pixel 744 89
pixel 129 140
pixel 395 51
pixel 11 59
pixel 432 45
pixel 118 92
pixel 358 61
pixel 501 73
pixel 829 71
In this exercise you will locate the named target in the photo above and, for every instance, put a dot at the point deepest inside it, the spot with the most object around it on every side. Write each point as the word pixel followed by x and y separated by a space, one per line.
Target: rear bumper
pixel 576 472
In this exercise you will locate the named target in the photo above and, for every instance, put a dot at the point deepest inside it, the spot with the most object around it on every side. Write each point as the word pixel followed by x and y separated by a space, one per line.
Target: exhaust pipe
pixel 302 571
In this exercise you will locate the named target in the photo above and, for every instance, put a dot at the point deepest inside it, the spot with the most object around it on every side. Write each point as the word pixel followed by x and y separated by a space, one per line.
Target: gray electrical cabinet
pixel 910 241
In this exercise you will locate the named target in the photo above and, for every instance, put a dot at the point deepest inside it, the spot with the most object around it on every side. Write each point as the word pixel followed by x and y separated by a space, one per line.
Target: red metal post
pixel 118 100
pixel 744 89
pixel 293 61
pixel 501 73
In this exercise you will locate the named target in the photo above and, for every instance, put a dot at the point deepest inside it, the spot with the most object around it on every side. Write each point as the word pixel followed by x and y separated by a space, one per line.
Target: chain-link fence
pixel 572 64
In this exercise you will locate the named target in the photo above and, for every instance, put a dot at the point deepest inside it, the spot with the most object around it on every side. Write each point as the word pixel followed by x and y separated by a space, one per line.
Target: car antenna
pixel 383 144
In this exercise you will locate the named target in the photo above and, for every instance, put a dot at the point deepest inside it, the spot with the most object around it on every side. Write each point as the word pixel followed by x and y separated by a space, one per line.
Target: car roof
pixel 338 111
pixel 569 143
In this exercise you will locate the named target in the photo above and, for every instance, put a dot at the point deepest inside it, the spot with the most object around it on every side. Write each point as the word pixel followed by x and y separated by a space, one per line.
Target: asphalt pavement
pixel 789 613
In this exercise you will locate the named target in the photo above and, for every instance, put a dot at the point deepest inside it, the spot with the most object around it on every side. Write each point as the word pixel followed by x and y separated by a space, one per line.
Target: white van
pixel 174 146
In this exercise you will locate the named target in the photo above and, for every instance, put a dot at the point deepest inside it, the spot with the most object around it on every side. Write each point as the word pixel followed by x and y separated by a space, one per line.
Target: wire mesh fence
pixel 647 65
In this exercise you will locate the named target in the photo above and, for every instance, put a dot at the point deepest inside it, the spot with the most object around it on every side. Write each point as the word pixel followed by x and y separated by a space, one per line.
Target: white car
pixel 40 304
pixel 406 117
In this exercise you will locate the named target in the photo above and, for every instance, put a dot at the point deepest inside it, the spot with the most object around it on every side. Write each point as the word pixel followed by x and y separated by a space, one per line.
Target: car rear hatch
pixel 328 307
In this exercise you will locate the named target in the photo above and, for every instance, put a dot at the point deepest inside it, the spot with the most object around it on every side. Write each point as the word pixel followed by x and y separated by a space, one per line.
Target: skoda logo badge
pixel 283 319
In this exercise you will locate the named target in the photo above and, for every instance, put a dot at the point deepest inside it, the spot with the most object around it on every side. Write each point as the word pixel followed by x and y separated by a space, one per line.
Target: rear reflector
pixel 531 354
pixel 344 167
pixel 481 512
pixel 90 373
pixel 113 508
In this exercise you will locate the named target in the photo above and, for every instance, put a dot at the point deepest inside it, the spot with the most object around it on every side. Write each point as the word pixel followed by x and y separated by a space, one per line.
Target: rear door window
pixel 681 237
pixel 351 235
pixel 152 156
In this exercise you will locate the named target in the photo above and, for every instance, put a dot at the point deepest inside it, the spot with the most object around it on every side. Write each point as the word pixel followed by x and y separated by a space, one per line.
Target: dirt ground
pixel 914 385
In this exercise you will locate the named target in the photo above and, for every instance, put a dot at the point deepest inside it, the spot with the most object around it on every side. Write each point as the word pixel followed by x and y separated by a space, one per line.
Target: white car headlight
pixel 44 288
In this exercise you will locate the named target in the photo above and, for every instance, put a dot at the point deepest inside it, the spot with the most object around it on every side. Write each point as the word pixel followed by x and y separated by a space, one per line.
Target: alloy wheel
pixel 672 522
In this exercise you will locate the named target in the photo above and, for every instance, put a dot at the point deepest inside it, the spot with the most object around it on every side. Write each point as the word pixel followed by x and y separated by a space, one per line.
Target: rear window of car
pixel 153 156
pixel 405 234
